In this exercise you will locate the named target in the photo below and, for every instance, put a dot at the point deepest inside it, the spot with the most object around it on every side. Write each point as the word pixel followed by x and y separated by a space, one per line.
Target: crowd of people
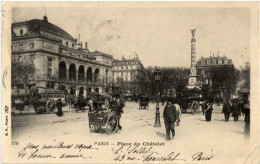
pixel 172 113
pixel 235 108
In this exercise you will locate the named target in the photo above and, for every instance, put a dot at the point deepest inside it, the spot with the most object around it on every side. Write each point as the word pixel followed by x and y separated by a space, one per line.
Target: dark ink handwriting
pixel 35 154
pixel 170 157
pixel 200 157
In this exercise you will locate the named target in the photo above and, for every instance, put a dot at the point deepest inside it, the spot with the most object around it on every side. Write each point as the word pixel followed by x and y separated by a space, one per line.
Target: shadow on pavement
pixel 237 132
pixel 202 120
pixel 222 120
pixel 161 134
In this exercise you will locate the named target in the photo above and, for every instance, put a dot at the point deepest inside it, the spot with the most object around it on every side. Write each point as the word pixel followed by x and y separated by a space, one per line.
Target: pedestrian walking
pixel 208 111
pixel 247 111
pixel 59 106
pixel 119 104
pixel 178 110
pixel 204 107
pixel 226 109
pixel 169 115
pixel 235 110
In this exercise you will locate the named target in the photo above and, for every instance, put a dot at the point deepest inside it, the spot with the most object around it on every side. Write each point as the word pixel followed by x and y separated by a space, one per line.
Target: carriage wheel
pixel 194 107
pixel 111 126
pixel 107 104
pixel 38 109
pixel 50 106
pixel 94 128
pixel 183 110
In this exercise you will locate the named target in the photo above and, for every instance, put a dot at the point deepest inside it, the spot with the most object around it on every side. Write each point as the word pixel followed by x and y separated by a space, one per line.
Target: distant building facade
pixel 125 72
pixel 59 58
pixel 216 72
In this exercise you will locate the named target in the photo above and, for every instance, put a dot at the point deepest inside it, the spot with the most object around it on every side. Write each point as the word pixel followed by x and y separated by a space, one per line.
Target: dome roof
pixel 49 27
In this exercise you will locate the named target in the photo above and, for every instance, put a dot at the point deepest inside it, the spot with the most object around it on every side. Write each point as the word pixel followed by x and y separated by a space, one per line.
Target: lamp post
pixel 157 75
pixel 223 87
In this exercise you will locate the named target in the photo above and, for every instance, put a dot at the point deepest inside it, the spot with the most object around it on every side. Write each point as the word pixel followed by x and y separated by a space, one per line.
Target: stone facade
pixel 58 57
pixel 214 61
pixel 221 63
pixel 126 70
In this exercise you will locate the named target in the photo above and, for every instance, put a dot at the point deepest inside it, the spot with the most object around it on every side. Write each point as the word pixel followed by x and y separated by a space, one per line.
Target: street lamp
pixel 223 87
pixel 157 75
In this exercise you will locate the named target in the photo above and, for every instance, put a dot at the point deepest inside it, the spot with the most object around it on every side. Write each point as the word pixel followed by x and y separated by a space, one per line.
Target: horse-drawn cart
pixel 190 100
pixel 106 120
pixel 144 102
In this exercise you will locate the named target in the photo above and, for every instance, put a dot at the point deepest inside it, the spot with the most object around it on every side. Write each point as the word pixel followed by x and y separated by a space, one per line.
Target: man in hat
pixel 169 115
pixel 208 110
pixel 119 108
pixel 226 109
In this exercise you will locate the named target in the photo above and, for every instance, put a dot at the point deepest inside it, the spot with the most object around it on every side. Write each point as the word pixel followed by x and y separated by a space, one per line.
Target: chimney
pixel 45 19
pixel 79 45
pixel 86 45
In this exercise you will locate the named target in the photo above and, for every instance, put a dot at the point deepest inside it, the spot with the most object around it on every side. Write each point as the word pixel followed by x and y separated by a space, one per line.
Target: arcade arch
pixel 96 74
pixel 72 72
pixel 89 74
pixel 62 71
pixel 81 75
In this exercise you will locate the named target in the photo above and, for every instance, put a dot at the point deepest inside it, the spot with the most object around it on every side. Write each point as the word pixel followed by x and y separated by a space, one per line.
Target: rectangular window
pixel 20 47
pixel 49 73
pixel 49 68
pixel 32 45
pixel 106 72
pixel 121 73
pixel 19 58
pixel 49 62
pixel 31 57
pixel 126 67
pixel 122 67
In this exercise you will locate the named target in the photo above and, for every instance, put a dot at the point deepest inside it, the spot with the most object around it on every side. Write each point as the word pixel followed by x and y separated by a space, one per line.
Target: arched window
pixel 21 32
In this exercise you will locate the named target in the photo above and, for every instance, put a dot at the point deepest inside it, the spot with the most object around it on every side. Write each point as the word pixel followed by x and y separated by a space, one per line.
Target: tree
pixel 246 76
pixel 22 73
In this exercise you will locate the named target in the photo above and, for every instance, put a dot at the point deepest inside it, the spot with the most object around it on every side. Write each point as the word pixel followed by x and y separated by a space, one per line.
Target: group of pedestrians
pixel 235 108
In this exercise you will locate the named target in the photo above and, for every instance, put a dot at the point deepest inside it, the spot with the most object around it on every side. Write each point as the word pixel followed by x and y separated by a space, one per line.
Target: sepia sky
pixel 159 35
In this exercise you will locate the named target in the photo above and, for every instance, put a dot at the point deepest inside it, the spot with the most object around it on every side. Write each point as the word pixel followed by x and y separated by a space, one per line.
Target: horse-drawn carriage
pixel 47 101
pixel 41 102
pixel 190 100
pixel 144 102
pixel 106 120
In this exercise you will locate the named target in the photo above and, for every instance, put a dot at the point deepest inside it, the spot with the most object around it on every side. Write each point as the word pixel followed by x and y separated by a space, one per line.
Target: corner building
pixel 59 58
pixel 125 73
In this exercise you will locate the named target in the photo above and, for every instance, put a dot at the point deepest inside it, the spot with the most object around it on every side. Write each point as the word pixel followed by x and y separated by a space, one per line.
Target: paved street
pixel 194 133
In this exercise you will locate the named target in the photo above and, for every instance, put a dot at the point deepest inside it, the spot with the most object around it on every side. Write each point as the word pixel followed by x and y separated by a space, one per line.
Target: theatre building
pixel 60 60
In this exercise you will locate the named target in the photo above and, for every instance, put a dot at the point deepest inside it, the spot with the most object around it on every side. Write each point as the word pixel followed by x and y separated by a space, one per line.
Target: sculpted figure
pixel 193 32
